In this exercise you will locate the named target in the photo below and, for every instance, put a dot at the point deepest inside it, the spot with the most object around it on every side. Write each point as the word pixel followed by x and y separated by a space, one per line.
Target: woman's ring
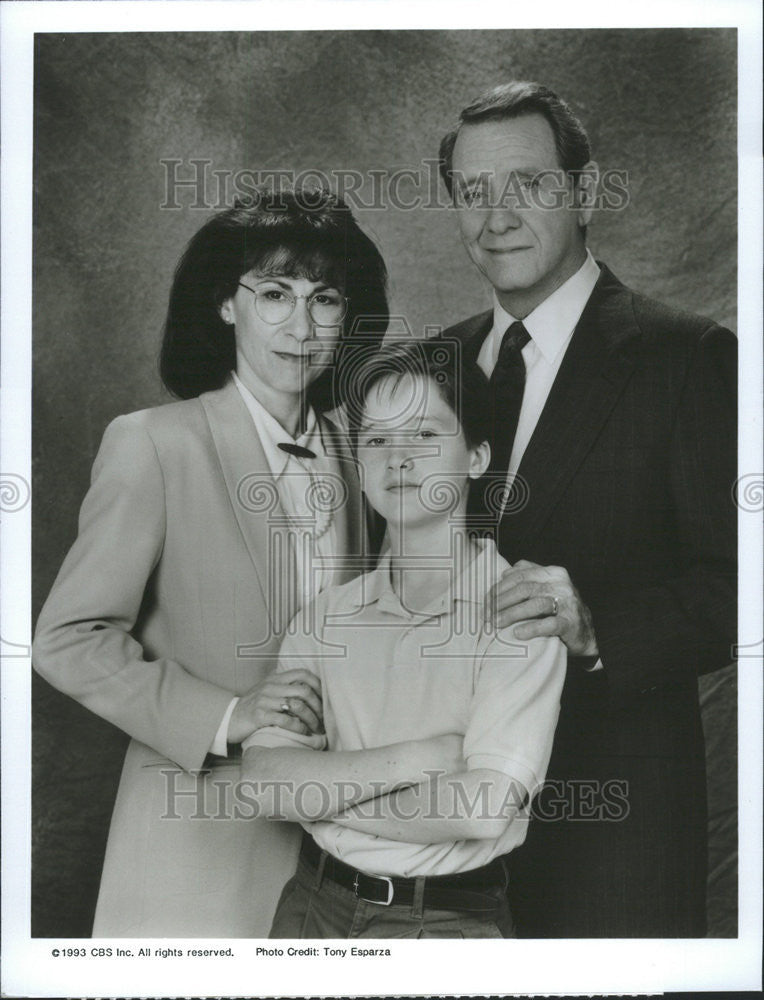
pixel 284 707
pixel 555 606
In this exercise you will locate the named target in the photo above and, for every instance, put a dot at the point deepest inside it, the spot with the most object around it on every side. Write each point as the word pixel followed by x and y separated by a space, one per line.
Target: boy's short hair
pixel 460 382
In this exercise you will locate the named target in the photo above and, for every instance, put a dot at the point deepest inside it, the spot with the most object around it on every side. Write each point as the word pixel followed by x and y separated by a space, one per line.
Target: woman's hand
pixel 263 706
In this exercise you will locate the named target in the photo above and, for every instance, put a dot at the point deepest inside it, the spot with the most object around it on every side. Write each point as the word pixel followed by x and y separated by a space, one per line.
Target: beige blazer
pixel 175 596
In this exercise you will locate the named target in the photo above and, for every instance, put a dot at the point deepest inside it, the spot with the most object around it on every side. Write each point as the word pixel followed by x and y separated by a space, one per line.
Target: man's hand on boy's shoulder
pixel 546 601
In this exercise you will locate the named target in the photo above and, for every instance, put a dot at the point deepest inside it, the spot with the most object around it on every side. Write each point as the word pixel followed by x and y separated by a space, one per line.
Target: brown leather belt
pixel 471 892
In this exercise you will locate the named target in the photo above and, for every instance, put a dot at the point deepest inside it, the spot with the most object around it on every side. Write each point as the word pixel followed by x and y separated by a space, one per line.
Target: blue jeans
pixel 312 906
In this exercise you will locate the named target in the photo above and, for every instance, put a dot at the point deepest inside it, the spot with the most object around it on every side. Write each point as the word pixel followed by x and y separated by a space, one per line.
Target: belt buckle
pixel 380 878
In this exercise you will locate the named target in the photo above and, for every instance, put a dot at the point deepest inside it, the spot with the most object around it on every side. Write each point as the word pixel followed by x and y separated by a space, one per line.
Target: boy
pixel 403 655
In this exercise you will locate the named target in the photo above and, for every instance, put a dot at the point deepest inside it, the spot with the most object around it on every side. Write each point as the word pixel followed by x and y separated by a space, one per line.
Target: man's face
pixel 517 210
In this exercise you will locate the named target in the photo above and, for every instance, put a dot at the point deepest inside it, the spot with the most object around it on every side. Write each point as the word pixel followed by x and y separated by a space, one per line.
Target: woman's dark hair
pixel 309 233
pixel 511 100
pixel 461 383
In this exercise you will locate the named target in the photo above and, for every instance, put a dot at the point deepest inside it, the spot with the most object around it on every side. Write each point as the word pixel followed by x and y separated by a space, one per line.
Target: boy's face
pixel 415 461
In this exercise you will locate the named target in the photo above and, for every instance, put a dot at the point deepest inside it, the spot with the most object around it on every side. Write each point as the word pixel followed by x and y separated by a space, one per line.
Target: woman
pixel 208 523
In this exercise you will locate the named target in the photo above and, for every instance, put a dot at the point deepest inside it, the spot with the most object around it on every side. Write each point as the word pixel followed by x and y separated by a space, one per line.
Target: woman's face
pixel 283 358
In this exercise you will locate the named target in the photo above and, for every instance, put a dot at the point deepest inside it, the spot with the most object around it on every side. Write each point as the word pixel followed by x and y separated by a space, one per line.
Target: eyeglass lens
pixel 274 305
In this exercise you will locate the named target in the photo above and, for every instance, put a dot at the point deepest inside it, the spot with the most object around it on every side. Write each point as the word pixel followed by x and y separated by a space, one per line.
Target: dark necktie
pixel 506 387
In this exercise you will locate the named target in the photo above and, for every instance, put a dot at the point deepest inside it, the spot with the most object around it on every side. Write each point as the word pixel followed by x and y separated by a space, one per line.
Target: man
pixel 616 418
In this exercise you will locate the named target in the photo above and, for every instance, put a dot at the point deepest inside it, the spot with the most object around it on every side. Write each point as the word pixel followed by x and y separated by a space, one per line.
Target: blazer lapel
pixel 597 365
pixel 352 534
pixel 254 499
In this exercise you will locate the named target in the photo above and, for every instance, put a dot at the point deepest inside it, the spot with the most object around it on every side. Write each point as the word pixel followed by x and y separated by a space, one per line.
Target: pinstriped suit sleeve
pixel 686 625
pixel 83 644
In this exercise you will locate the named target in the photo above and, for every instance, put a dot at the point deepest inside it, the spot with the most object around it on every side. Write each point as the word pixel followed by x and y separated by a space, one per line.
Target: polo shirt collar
pixel 370 587
pixel 552 322
pixel 470 586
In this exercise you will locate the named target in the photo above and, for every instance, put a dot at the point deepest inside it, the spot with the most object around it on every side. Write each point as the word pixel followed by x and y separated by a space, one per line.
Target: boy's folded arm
pixel 290 781
pixel 471 805
pixel 507 747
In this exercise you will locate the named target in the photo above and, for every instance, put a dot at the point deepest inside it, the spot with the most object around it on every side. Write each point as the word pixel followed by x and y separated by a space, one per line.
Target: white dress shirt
pixel 293 478
pixel 551 327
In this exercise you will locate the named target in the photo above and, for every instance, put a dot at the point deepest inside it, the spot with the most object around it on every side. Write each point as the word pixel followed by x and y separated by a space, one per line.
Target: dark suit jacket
pixel 629 477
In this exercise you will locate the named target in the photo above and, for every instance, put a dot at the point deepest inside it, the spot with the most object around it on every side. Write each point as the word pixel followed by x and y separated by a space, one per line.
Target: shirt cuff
pixel 220 743
pixel 516 770
pixel 585 664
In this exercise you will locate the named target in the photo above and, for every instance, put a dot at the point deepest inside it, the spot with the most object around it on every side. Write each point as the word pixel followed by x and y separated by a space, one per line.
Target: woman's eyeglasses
pixel 275 305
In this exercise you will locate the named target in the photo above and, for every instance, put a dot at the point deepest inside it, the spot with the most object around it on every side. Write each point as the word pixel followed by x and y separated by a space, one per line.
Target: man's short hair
pixel 512 100
pixel 461 384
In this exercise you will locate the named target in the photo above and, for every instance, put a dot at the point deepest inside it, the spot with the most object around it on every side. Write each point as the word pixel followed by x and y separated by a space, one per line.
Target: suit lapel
pixel 473 332
pixel 254 499
pixel 597 365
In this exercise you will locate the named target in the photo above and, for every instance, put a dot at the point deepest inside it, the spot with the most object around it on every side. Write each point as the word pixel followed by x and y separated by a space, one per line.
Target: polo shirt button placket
pixel 400 646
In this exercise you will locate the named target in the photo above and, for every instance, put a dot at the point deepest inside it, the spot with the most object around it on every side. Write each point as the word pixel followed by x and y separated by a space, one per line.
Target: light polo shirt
pixel 551 326
pixel 389 675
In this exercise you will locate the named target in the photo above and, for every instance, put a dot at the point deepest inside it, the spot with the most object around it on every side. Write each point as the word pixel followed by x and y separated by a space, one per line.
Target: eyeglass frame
pixel 294 297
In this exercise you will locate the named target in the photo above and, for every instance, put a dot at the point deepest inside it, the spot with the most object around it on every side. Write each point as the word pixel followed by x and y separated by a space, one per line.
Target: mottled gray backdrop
pixel 110 107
